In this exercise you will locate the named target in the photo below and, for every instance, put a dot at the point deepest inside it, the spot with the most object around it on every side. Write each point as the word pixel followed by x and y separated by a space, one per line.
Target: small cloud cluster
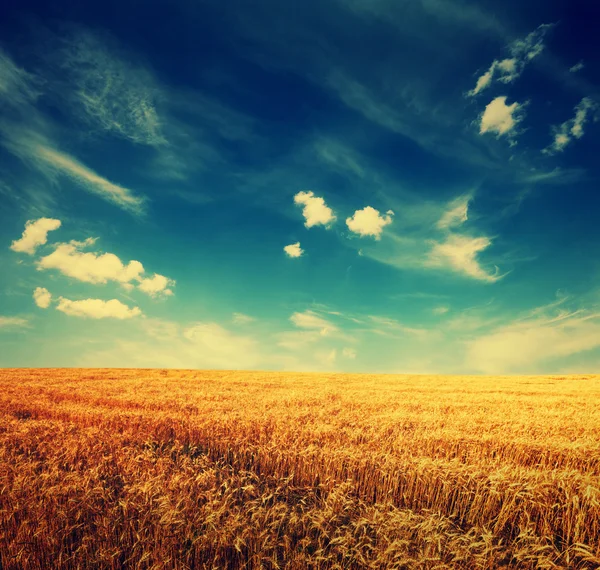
pixel 364 223
pixel 563 134
pixel 369 222
pixel 509 69
pixel 42 297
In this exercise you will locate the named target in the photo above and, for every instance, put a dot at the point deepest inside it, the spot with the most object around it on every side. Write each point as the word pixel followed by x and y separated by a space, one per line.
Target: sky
pixel 329 185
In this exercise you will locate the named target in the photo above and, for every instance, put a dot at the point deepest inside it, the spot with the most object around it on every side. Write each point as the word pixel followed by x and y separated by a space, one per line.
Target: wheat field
pixel 157 469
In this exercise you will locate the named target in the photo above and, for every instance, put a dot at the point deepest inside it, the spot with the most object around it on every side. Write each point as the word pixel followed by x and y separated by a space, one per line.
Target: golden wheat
pixel 151 469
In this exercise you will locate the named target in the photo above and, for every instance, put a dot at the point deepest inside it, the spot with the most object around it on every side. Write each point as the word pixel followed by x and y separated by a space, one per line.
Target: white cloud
pixel 310 320
pixel 35 234
pixel 110 92
pixel 349 353
pixel 241 319
pixel 156 285
pixel 6 322
pixel 577 67
pixel 459 252
pixel 293 250
pixel 16 85
pixel 88 266
pixel 509 69
pixel 314 209
pixel 97 309
pixel 42 297
pixel 441 310
pixel 520 346
pixel 100 268
pixel 296 340
pixel 222 348
pixel 564 133
pixel 34 148
pixel 87 178
pixel 499 117
pixel 457 213
pixel 369 222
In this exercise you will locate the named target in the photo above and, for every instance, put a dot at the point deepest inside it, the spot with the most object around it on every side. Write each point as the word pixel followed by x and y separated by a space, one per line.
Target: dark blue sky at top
pixel 216 114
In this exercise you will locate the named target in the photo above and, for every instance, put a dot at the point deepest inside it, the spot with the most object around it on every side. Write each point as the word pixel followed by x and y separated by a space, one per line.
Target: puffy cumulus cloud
pixel 349 353
pixel 241 319
pixel 369 222
pixel 155 285
pixel 456 215
pixel 42 297
pixel 9 322
pixel 293 250
pixel 88 266
pixel 563 134
pixel 35 234
pixel 220 347
pixel 314 209
pixel 500 118
pixel 522 345
pixel 310 320
pixel 507 70
pixel 459 253
pixel 100 268
pixel 97 309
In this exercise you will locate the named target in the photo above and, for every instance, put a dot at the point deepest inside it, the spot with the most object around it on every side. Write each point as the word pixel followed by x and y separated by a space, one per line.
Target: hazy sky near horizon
pixel 333 185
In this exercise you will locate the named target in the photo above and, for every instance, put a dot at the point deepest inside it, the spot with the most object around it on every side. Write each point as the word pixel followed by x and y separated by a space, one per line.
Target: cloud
pixel 34 148
pixel 441 310
pixel 9 322
pixel 220 347
pixel 457 213
pixel 369 222
pixel 156 285
pixel 310 320
pixel 241 319
pixel 509 69
pixel 499 117
pixel 16 85
pixel 314 209
pixel 459 252
pixel 97 309
pixel 293 250
pixel 35 234
pixel 577 67
pixel 42 297
pixel 88 266
pixel 563 134
pixel 349 353
pixel 100 268
pixel 520 346
pixel 107 90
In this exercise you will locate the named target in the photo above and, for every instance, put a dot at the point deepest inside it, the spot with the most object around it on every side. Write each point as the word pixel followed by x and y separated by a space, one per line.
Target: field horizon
pixel 153 468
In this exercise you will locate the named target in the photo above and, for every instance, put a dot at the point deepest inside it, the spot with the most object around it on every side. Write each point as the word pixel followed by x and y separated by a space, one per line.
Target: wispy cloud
pixel 523 345
pixel 12 322
pixel 456 214
pixel 507 70
pixel 242 319
pixel 573 128
pixel 17 86
pixel 459 252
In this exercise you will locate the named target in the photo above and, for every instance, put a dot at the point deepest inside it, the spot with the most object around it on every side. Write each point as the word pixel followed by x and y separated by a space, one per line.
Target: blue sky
pixel 338 185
